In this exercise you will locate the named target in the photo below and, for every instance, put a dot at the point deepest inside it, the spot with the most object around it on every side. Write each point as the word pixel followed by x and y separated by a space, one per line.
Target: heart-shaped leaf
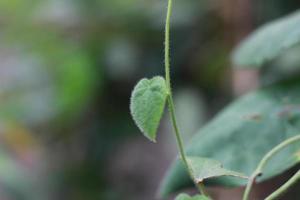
pixel 243 133
pixel 147 104
pixel 187 197
pixel 268 42
pixel 205 168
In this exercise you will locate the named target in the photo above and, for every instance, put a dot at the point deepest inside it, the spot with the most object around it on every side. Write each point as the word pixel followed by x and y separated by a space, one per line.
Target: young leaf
pixel 187 197
pixel 147 104
pixel 243 133
pixel 204 168
pixel 268 41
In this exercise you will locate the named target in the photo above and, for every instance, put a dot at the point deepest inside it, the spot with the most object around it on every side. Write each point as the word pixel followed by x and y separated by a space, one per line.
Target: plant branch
pixel 280 191
pixel 176 129
pixel 167 45
pixel 200 187
pixel 264 161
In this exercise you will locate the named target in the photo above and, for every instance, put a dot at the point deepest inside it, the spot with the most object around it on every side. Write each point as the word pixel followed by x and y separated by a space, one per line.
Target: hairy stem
pixel 200 187
pixel 280 191
pixel 180 143
pixel 264 161
pixel 167 45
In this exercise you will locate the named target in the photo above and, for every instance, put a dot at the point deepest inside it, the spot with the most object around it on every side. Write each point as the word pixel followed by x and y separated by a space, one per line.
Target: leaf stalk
pixel 263 162
pixel 284 188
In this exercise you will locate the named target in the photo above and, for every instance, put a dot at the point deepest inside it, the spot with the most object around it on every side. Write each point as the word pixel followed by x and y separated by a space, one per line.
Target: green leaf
pixel 187 197
pixel 243 133
pixel 268 41
pixel 147 104
pixel 204 168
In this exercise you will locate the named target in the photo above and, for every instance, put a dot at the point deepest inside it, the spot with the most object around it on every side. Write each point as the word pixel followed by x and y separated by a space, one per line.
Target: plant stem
pixel 176 130
pixel 202 189
pixel 167 45
pixel 280 191
pixel 264 161
pixel 200 186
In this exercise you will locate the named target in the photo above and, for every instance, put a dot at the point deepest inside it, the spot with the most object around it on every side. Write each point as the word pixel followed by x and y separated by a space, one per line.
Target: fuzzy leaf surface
pixel 147 105
pixel 205 168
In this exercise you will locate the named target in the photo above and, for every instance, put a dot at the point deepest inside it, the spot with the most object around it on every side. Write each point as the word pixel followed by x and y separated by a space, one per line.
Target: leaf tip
pixel 152 139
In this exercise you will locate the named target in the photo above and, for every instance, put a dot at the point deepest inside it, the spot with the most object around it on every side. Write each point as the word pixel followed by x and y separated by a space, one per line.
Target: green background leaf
pixel 204 168
pixel 187 197
pixel 268 42
pixel 243 133
pixel 147 105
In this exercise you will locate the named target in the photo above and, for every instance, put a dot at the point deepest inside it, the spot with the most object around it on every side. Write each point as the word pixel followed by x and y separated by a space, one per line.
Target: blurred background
pixel 67 68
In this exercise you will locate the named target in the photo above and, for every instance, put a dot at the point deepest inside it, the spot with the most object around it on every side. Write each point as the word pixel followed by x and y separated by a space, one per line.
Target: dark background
pixel 67 69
